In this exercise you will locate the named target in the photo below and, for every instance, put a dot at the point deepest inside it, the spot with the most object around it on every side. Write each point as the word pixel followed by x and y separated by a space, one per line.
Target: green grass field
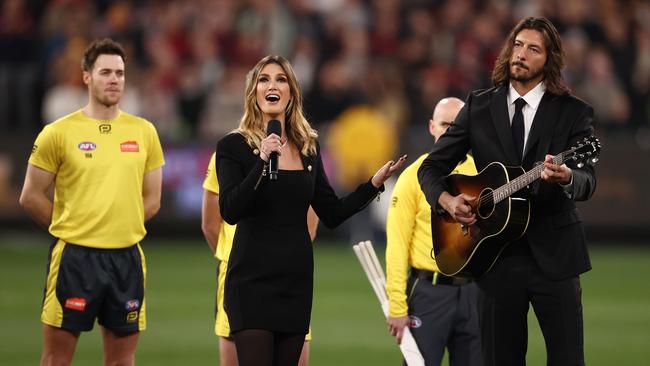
pixel 347 321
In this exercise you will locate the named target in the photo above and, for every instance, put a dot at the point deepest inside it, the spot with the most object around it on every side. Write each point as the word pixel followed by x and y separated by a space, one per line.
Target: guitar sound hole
pixel 485 203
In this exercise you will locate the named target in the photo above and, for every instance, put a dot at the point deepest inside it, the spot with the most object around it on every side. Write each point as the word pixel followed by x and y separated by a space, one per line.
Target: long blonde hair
pixel 298 129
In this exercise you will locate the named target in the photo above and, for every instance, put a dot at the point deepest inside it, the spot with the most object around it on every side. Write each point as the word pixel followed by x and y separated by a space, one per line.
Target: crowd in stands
pixel 371 72
pixel 187 59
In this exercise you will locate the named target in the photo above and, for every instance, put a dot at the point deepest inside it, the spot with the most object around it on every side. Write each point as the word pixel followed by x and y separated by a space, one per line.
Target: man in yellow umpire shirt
pixel 219 235
pixel 440 311
pixel 105 166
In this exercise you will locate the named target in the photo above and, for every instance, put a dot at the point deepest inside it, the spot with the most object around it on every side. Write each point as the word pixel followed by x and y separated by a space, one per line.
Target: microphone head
pixel 274 126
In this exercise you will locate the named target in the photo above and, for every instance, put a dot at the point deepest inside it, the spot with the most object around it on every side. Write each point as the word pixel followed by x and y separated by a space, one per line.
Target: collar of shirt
pixel 532 98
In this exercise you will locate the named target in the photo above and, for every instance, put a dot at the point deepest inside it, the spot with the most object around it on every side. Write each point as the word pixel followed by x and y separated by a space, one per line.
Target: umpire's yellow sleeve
pixel 210 183
pixel 408 231
pixel 399 234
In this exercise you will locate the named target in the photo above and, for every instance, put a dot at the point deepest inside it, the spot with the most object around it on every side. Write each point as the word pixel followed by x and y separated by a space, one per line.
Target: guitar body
pixel 471 251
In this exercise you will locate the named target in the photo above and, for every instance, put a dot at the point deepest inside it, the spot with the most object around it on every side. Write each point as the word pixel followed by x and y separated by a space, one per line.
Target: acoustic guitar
pixel 501 216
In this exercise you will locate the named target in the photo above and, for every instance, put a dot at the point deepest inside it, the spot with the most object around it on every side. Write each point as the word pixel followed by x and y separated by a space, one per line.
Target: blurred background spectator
pixel 399 56
pixel 387 61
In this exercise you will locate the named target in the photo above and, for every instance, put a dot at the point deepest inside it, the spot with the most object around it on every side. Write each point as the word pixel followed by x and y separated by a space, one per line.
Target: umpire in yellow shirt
pixel 105 166
pixel 440 311
pixel 219 235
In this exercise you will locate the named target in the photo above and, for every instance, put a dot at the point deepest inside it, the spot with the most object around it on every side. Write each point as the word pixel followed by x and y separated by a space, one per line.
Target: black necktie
pixel 518 127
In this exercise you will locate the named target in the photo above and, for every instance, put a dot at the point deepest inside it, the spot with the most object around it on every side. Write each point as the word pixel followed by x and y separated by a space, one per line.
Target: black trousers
pixel 514 282
pixel 445 316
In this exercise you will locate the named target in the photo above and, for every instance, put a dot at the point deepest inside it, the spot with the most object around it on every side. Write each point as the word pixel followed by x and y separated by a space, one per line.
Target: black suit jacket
pixel 241 172
pixel 555 232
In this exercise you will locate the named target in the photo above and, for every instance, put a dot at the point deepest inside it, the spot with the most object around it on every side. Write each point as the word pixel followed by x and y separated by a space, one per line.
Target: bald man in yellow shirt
pixel 106 169
pixel 441 311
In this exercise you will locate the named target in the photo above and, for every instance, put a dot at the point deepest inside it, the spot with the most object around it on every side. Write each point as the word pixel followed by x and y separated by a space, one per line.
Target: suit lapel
pixel 544 121
pixel 501 121
pixel 541 132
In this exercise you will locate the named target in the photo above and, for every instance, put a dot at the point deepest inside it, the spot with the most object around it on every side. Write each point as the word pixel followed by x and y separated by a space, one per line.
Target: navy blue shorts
pixel 84 284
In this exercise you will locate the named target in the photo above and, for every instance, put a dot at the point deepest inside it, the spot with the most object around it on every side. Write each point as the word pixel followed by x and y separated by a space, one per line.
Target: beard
pixel 107 101
pixel 524 77
pixel 103 98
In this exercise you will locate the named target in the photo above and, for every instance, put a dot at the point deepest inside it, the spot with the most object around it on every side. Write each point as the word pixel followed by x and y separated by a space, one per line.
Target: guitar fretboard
pixel 525 179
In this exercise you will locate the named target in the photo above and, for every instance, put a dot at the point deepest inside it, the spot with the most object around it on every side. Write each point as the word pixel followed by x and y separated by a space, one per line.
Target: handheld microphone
pixel 274 126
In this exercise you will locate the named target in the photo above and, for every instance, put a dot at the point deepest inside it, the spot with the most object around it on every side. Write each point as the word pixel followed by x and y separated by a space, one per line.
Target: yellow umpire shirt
pixel 408 231
pixel 227 231
pixel 99 167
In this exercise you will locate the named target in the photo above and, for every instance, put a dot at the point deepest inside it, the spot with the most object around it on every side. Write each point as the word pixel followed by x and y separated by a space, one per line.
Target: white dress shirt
pixel 532 98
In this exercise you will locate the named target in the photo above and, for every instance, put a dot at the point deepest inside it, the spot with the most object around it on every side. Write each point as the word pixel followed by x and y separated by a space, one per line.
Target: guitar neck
pixel 524 180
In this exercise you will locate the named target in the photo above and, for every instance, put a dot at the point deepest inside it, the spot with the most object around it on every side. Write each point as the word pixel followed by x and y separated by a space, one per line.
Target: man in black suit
pixel 528 116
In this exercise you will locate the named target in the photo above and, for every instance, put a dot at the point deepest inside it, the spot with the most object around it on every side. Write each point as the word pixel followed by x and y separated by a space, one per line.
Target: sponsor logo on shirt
pixel 129 146
pixel 132 304
pixel 132 317
pixel 394 201
pixel 76 303
pixel 104 128
pixel 87 146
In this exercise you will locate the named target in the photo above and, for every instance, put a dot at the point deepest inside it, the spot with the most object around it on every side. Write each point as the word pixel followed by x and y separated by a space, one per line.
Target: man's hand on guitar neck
pixel 460 208
pixel 554 173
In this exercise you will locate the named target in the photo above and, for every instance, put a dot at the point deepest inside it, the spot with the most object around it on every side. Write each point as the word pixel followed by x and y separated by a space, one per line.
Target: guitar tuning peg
pixel 594 160
pixel 580 164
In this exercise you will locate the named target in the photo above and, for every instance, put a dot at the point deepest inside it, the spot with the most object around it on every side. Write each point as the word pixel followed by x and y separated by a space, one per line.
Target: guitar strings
pixel 557 159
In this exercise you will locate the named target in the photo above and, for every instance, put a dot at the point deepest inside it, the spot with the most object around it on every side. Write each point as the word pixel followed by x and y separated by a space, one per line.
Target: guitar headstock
pixel 585 151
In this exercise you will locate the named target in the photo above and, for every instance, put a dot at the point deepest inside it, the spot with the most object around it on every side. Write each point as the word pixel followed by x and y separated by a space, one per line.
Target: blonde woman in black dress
pixel 268 292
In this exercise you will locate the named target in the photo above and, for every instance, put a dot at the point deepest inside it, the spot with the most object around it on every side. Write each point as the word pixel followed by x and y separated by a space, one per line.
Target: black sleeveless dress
pixel 269 281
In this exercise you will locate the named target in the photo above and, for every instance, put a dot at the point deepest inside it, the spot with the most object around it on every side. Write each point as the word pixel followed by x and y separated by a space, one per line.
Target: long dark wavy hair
pixel 554 55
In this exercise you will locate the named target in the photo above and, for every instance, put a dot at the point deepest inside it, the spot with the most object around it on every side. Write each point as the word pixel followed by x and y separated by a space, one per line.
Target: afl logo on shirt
pixel 129 146
pixel 87 146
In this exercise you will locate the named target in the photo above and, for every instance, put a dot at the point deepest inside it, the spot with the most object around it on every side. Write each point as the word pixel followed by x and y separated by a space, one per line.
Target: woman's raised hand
pixel 387 171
